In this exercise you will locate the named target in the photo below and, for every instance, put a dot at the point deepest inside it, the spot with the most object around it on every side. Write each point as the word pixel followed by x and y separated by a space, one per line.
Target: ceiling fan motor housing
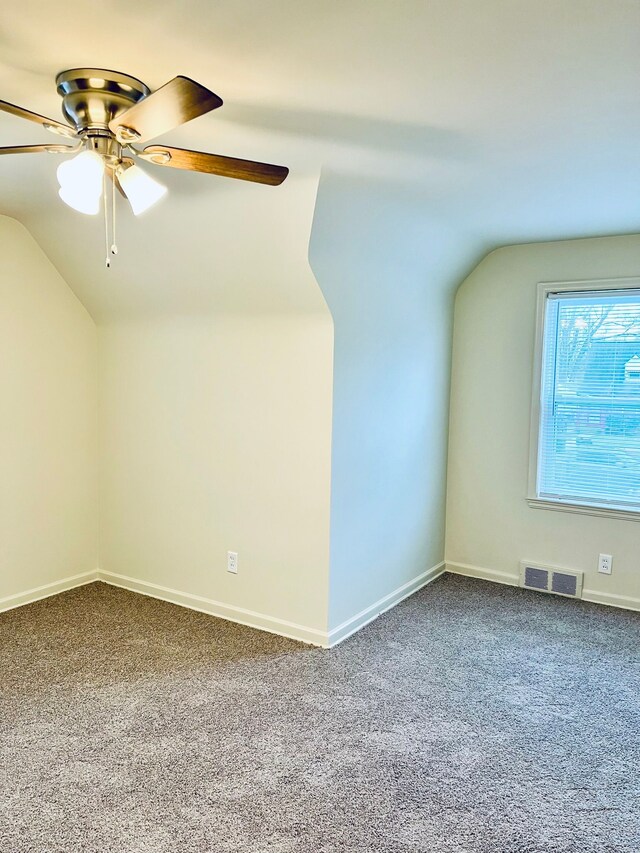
pixel 92 97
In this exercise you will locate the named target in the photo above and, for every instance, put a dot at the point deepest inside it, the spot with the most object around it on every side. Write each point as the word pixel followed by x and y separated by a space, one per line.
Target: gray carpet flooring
pixel 472 718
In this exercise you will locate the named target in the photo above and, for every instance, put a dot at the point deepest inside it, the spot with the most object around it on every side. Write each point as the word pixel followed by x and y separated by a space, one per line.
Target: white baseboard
pixel 311 636
pixel 626 602
pixel 467 571
pixel 350 626
pixel 31 595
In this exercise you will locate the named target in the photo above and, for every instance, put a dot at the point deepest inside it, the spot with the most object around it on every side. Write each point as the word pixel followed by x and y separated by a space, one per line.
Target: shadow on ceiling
pixel 346 129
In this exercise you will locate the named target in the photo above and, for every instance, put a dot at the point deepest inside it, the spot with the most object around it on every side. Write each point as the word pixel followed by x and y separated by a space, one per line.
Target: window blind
pixel 589 437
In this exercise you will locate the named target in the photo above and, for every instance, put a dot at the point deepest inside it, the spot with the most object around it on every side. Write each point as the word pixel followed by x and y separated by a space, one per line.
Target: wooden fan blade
pixel 49 123
pixel 40 149
pixel 175 103
pixel 215 164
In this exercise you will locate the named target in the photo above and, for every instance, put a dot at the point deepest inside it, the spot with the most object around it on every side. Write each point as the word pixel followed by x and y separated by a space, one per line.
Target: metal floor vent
pixel 549 579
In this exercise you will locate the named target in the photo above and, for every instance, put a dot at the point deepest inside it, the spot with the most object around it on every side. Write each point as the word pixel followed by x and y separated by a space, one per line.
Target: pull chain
pixel 114 247
pixel 109 249
pixel 107 260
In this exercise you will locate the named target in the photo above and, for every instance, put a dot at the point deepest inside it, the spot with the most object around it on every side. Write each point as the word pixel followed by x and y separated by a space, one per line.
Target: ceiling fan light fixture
pixel 82 202
pixel 107 111
pixel 141 189
pixel 82 174
pixel 80 182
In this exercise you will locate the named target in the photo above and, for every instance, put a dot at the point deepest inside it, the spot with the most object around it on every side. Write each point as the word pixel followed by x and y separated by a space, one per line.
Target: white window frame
pixel 544 289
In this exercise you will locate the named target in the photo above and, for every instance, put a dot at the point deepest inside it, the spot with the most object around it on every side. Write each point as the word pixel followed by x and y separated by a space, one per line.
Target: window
pixel 586 407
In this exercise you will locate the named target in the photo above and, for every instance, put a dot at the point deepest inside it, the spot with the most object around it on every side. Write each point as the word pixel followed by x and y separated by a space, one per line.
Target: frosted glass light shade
pixel 141 189
pixel 81 182
pixel 83 203
pixel 84 172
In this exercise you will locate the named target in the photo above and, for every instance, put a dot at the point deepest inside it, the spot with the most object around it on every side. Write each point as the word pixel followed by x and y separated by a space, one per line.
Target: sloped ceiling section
pixel 513 120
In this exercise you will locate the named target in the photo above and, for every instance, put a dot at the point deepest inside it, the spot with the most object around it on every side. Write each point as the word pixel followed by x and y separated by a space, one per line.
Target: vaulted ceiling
pixel 510 120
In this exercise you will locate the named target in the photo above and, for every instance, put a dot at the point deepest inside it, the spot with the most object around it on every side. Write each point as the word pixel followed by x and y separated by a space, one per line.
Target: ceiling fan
pixel 108 115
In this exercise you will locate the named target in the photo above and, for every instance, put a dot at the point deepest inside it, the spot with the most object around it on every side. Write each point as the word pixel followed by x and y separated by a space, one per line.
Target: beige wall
pixel 388 271
pixel 215 419
pixel 213 432
pixel 48 422
pixel 490 527
pixel 215 436
pixel 216 430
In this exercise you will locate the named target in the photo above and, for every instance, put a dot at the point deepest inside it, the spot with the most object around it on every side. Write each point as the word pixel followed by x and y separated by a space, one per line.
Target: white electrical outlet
pixel 605 562
pixel 232 562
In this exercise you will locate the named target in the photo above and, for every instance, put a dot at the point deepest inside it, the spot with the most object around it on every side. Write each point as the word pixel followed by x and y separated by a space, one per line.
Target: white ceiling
pixel 513 120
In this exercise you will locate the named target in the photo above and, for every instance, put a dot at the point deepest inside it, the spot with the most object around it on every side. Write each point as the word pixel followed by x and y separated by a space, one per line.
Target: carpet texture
pixel 472 718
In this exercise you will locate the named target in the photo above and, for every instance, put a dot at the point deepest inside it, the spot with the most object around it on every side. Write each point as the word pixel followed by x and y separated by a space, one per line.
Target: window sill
pixel 585 509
